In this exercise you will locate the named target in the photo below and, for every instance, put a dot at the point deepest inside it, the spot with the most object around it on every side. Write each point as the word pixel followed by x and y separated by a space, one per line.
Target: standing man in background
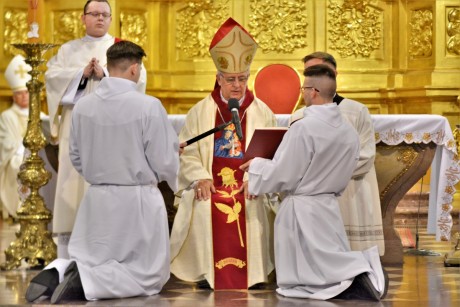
pixel 13 126
pixel 360 202
pixel 74 72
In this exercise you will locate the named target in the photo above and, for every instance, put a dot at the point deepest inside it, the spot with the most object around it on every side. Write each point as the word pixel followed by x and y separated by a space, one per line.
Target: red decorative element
pixel 278 85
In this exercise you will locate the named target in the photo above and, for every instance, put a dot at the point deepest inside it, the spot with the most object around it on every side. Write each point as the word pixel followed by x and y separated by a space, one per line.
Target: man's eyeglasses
pixel 304 88
pixel 97 14
pixel 232 80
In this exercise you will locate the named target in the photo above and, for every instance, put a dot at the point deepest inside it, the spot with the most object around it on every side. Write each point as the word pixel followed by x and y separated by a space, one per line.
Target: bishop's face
pixel 233 85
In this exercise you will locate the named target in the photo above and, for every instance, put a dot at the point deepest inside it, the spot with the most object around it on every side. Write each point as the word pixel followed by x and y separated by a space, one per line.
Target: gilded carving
pixel 407 156
pixel 15 29
pixel 453 31
pixel 67 26
pixel 34 242
pixel 421 33
pixel 278 25
pixel 456 135
pixel 355 27
pixel 134 27
pixel 196 25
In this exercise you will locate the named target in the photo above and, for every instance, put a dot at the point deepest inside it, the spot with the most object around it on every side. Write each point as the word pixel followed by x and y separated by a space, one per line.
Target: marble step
pixel 408 210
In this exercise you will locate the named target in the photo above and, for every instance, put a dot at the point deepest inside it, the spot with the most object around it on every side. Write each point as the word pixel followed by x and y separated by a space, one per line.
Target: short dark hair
pixel 327 88
pixel 319 70
pixel 89 1
pixel 124 51
pixel 326 57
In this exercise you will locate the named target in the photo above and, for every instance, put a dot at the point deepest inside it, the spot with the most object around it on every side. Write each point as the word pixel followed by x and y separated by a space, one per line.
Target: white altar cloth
pixel 445 168
pixel 413 128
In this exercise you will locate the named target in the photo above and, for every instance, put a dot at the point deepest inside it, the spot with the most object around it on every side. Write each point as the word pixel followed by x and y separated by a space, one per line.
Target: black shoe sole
pixel 70 287
pixel 43 284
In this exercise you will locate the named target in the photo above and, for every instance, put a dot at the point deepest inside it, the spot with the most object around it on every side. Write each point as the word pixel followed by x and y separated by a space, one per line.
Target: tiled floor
pixel 421 281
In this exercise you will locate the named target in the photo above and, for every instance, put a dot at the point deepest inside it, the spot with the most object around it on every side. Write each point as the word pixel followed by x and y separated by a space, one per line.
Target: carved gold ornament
pixel 453 31
pixel 67 26
pixel 15 30
pixel 196 25
pixel 355 27
pixel 421 33
pixel 133 26
pixel 278 25
pixel 34 243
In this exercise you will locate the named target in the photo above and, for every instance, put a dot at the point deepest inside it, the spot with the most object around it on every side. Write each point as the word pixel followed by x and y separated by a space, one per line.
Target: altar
pixel 407 146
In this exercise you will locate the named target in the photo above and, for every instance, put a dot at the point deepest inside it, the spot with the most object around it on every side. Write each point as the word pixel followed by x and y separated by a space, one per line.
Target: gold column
pixel 34 243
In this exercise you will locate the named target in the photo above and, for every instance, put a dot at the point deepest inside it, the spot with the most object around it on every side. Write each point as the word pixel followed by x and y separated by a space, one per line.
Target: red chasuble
pixel 227 205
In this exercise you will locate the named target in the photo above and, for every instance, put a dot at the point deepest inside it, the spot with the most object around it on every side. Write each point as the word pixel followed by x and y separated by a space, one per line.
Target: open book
pixel 264 143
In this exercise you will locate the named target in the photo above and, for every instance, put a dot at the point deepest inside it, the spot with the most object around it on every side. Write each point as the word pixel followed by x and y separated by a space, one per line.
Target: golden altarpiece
pixel 396 56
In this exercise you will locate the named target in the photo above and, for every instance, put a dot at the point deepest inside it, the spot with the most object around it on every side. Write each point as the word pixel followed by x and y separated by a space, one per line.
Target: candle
pixel 35 12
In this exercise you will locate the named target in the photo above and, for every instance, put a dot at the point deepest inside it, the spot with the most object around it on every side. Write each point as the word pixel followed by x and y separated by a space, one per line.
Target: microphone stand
pixel 209 132
pixel 417 251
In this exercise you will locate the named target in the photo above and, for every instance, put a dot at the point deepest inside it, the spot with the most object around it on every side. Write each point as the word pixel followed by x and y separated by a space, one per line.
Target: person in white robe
pixel 123 144
pixel 313 165
pixel 360 202
pixel 75 71
pixel 13 126
pixel 194 249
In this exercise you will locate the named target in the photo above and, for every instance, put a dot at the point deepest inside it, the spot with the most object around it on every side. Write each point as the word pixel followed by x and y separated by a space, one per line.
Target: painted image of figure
pixel 228 145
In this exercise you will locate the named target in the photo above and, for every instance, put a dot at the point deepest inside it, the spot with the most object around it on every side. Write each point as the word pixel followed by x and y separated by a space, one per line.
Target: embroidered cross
pixel 20 71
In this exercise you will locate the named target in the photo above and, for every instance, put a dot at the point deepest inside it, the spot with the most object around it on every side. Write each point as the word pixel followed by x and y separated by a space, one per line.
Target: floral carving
pixel 453 31
pixel 278 25
pixel 197 24
pixel 15 30
pixel 133 26
pixel 421 33
pixel 67 26
pixel 354 27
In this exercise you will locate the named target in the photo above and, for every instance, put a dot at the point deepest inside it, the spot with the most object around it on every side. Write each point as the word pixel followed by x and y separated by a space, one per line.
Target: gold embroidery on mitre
pixel 248 60
pixel 230 261
pixel 222 63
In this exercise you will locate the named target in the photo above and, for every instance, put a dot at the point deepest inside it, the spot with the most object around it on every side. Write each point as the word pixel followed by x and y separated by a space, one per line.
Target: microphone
pixel 233 106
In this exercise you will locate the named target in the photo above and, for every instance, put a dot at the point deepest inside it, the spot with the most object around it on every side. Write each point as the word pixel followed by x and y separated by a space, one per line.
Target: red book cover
pixel 264 143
